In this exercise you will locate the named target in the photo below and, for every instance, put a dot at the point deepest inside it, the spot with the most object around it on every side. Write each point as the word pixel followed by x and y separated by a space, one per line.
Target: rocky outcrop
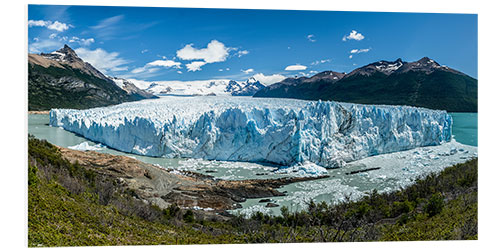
pixel 163 187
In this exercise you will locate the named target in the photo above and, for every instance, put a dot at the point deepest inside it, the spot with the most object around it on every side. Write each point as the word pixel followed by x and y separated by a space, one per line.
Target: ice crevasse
pixel 278 131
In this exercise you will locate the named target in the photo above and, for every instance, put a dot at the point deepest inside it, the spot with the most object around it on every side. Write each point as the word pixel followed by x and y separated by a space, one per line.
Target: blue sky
pixel 198 44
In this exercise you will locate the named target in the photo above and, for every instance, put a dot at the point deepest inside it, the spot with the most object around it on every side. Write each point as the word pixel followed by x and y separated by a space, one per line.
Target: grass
pixel 69 205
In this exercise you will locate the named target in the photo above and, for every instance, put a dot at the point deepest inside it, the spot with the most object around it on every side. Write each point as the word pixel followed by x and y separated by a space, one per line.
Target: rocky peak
pixel 67 56
pixel 326 75
pixel 64 54
pixel 384 67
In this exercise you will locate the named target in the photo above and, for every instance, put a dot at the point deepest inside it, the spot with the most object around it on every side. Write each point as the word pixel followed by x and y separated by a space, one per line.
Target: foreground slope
pixel 423 83
pixel 63 80
pixel 69 205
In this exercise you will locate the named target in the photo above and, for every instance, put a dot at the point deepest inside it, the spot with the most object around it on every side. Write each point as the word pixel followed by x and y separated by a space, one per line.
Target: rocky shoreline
pixel 163 187
pixel 40 112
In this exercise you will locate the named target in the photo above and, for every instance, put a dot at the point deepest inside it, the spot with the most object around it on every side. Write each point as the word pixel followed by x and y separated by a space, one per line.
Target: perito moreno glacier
pixel 279 131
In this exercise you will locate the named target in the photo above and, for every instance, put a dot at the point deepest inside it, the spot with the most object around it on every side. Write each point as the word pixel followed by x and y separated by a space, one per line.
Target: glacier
pixel 285 132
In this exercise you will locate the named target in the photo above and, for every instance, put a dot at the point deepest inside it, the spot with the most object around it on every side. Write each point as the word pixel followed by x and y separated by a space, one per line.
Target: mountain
pixel 219 87
pixel 61 79
pixel 132 89
pixel 301 87
pixel 423 83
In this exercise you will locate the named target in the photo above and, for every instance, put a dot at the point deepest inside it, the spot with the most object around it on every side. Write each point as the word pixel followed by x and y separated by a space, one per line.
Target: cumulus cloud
pixel 154 66
pixel 165 63
pixel 57 26
pixel 247 71
pixel 242 53
pixel 311 38
pixel 214 52
pixel 296 67
pixel 354 35
pixel 270 79
pixel 195 66
pixel 103 60
pixel 82 41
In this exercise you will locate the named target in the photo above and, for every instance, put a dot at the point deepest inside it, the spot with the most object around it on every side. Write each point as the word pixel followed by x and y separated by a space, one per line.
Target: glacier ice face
pixel 85 146
pixel 279 131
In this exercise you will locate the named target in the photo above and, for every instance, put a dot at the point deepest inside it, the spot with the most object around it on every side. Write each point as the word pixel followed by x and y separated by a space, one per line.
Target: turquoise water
pixel 465 128
pixel 464 131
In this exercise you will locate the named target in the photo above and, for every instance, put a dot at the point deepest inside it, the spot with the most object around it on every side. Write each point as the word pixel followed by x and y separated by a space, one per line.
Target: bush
pixel 434 205
pixel 32 177
pixel 188 216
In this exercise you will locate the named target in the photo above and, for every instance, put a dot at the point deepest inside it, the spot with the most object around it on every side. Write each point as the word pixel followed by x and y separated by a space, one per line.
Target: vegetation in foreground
pixel 69 205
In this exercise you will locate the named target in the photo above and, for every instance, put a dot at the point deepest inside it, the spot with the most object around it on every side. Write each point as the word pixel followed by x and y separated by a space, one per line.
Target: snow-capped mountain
pixel 384 67
pixel 131 89
pixel 218 87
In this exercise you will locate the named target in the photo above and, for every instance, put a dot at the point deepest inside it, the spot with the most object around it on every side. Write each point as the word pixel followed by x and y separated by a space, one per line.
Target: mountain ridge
pixel 423 83
pixel 61 79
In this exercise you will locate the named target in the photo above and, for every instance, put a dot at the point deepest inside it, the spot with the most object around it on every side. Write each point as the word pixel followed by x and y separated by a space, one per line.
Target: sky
pixel 163 44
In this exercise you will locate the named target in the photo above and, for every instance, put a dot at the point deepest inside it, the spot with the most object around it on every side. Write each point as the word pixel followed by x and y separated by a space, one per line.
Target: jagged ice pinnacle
pixel 279 131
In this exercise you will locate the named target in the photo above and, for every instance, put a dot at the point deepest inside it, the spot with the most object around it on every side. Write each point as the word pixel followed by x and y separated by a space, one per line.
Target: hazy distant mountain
pixel 423 83
pixel 218 87
pixel 63 80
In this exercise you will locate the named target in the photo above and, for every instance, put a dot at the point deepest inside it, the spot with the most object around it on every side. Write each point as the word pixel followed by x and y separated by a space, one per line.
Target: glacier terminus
pixel 284 132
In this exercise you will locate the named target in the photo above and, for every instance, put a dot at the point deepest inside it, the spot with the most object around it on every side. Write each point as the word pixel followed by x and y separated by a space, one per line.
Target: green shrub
pixel 32 175
pixel 434 205
pixel 188 216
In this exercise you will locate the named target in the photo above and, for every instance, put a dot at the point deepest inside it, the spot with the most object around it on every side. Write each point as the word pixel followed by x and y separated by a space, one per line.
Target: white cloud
pixel 108 28
pixel 354 35
pixel 311 38
pixel 313 72
pixel 247 71
pixel 179 72
pixel 296 67
pixel 45 45
pixel 321 61
pixel 103 60
pixel 82 41
pixel 270 79
pixel 57 26
pixel 144 51
pixel 242 53
pixel 53 35
pixel 357 51
pixel 195 66
pixel 154 66
pixel 214 52
pixel 165 63
pixel 220 70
